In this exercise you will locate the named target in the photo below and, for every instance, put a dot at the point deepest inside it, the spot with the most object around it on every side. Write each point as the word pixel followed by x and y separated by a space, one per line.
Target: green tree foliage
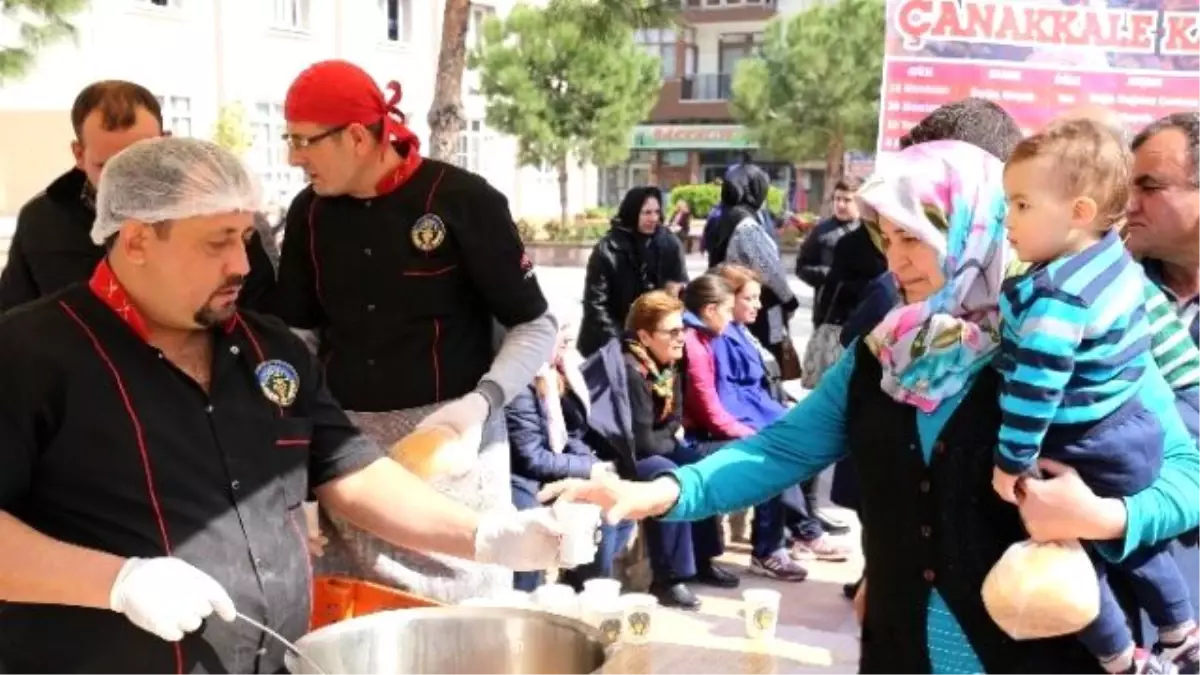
pixel 38 23
pixel 814 89
pixel 562 92
pixel 231 131
pixel 606 18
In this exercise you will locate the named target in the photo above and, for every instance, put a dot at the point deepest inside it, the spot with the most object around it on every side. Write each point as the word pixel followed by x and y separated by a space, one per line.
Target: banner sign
pixel 1038 58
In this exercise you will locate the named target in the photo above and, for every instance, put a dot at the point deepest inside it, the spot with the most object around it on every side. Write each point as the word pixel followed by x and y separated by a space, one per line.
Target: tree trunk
pixel 446 116
pixel 835 159
pixel 562 191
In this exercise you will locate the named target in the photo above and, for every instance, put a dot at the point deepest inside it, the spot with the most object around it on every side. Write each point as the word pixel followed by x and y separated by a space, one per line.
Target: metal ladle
pixel 283 641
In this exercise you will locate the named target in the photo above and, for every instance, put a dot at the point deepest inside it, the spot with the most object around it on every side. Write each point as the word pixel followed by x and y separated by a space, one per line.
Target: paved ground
pixel 818 632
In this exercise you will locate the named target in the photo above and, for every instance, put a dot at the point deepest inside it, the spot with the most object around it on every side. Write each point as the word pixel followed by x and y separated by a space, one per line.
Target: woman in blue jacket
pixel 547 426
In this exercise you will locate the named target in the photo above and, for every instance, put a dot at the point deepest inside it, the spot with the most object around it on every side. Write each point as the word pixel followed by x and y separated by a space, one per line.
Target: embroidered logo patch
pixel 428 233
pixel 279 382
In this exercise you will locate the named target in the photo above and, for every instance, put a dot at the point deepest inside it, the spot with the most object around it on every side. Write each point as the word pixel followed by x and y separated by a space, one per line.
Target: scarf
pixel 662 380
pixel 949 195
pixel 553 382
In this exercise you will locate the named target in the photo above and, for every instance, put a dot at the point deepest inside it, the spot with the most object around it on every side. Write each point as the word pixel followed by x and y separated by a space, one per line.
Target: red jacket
pixel 702 409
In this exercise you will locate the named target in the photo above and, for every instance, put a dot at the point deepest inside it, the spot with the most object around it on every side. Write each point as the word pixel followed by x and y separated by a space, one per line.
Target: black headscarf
pixel 645 253
pixel 743 194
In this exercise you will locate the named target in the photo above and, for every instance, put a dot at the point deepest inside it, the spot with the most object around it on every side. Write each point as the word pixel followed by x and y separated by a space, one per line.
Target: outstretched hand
pixel 619 499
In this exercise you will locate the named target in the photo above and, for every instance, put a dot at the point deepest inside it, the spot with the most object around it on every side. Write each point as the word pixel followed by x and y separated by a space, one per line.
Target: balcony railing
pixel 706 87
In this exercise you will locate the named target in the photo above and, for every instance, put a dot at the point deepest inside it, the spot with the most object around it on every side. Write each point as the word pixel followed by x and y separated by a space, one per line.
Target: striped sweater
pixel 1075 345
pixel 1170 343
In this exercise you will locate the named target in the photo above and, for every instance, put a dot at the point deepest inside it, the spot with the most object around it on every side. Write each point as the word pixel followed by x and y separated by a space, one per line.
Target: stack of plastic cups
pixel 557 599
pixel 638 612
pixel 600 604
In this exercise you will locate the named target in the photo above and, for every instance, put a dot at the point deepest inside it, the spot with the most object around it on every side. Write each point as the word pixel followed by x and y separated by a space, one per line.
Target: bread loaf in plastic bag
pixel 1042 590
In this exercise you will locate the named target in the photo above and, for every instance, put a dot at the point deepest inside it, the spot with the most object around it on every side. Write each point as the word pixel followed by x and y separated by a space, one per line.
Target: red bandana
pixel 335 93
pixel 110 291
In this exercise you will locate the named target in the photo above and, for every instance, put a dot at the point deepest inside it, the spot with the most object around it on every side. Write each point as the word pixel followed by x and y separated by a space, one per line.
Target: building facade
pixel 202 56
pixel 691 135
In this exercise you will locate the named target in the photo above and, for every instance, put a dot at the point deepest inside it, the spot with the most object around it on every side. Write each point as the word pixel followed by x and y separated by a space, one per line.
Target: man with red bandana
pixel 399 267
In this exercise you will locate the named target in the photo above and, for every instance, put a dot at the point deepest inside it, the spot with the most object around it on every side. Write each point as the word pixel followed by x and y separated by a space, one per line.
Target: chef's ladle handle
pixel 283 641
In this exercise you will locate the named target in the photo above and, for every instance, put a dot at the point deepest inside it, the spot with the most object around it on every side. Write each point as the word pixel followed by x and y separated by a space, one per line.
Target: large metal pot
pixel 453 640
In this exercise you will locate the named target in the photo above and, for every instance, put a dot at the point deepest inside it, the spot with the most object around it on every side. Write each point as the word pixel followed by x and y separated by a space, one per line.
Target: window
pixel 660 42
pixel 268 156
pixel 290 14
pixel 469 153
pixel 397 16
pixel 177 114
pixel 479 14
pixel 734 47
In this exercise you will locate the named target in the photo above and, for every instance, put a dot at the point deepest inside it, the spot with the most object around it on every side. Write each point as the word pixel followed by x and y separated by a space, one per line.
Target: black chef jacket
pixel 402 288
pixel 105 444
pixel 52 248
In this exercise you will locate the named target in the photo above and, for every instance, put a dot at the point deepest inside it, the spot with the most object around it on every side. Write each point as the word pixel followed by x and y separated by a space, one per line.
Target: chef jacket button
pixel 234 350
pixel 236 485
pixel 929 576
pixel 926 531
pixel 367 251
pixel 208 408
pixel 371 307
pixel 923 487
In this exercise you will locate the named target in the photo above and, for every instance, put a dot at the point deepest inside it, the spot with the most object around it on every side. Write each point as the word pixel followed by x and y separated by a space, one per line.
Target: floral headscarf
pixel 949 195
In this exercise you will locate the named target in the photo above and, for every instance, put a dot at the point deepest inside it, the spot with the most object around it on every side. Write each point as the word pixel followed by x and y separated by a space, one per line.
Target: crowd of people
pixel 1004 347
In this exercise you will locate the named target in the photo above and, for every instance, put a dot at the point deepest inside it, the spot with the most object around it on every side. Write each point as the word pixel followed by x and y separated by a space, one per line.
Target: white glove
pixel 168 597
pixel 465 417
pixel 523 541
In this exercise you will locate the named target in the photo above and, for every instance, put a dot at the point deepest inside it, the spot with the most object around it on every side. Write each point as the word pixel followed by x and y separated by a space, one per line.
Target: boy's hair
pixel 847 184
pixel 1088 160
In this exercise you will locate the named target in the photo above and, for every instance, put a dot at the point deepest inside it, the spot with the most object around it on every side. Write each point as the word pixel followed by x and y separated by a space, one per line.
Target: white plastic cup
pixel 639 610
pixel 557 599
pixel 602 588
pixel 761 610
pixel 581 533
pixel 608 617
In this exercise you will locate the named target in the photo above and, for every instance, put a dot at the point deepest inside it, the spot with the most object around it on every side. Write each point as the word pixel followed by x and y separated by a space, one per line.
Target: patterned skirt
pixel 354 553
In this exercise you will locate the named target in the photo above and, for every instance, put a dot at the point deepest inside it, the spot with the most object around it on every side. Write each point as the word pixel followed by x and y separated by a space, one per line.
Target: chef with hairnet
pixel 157 444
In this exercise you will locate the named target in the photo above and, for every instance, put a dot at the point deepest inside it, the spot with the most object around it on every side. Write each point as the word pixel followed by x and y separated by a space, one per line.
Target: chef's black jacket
pixel 105 444
pixel 52 248
pixel 402 288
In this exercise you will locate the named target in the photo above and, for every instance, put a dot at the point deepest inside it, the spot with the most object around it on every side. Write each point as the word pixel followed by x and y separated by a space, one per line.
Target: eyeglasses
pixel 673 333
pixel 300 142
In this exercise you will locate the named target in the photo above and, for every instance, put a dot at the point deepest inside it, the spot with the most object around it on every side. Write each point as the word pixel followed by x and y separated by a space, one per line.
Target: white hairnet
pixel 164 179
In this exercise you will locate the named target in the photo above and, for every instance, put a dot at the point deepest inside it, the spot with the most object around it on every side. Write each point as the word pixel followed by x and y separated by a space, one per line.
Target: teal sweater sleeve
pixel 801 444
pixel 1169 507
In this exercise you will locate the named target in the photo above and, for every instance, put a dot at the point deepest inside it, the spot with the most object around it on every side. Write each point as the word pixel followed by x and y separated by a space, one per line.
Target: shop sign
pixel 691 137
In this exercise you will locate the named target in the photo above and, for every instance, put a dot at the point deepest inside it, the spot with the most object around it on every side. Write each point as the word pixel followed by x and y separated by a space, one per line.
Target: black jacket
pixel 936 526
pixel 52 248
pixel 855 262
pixel 625 264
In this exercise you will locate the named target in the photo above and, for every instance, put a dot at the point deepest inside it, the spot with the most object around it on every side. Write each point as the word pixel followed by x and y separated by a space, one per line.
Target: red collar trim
pixel 108 288
pixel 400 175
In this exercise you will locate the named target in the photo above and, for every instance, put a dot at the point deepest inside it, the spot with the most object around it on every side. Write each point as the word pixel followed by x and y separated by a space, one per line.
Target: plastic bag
pixel 1042 590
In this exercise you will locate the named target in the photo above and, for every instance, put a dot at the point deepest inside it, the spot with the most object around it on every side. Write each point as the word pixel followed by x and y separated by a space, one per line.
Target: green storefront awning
pixel 691 137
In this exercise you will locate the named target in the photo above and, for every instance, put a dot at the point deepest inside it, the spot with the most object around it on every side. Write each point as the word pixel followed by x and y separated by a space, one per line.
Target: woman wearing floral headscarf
pixel 924 452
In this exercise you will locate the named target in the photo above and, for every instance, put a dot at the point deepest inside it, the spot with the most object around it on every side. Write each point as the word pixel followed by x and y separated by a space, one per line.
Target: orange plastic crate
pixel 339 598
